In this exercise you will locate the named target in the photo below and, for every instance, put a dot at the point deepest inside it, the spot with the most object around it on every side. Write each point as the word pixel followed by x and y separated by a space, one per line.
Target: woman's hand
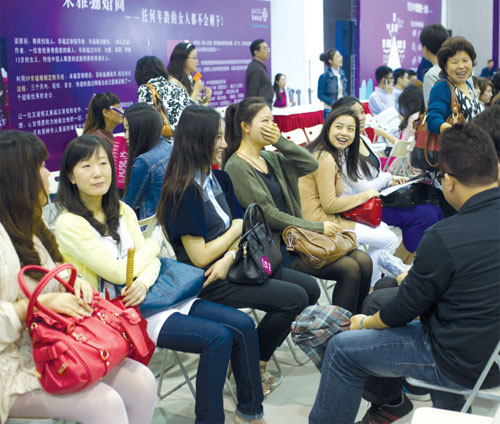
pixel 218 270
pixel 330 229
pixel 84 290
pixel 271 133
pixel 398 180
pixel 197 87
pixel 208 94
pixel 371 193
pixel 134 294
pixel 356 321
pixel 66 303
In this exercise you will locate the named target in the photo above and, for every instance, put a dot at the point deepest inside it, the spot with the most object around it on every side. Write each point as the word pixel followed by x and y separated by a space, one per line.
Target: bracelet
pixel 362 323
pixel 232 252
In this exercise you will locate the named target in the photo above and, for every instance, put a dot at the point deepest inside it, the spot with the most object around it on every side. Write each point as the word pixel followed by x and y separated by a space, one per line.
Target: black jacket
pixel 454 286
pixel 258 82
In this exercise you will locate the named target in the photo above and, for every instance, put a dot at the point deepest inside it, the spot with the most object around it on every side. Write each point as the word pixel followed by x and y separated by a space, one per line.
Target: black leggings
pixel 352 273
pixel 283 297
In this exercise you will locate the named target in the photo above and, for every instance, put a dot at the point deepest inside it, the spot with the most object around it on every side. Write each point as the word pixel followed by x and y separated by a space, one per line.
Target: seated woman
pixel 182 64
pixel 25 240
pixel 279 88
pixel 148 155
pixel 151 71
pixel 104 115
pixel 271 180
pixel 413 222
pixel 95 231
pixel 337 151
pixel 203 219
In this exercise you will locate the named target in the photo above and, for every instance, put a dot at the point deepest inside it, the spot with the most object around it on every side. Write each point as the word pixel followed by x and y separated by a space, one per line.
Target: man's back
pixel 455 280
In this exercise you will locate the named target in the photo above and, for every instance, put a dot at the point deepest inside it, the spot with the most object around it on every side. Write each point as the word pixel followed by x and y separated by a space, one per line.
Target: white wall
pixel 297 42
pixel 472 19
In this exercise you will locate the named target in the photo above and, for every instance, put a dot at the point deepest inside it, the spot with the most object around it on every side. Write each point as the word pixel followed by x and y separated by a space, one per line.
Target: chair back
pixel 298 136
pixel 312 133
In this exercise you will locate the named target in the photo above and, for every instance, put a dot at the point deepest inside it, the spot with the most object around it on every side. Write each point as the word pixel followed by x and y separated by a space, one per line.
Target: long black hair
pixel 323 144
pixel 276 87
pixel 177 62
pixel 149 67
pixel 68 197
pixel 195 137
pixel 411 100
pixel 144 131
pixel 237 113
pixel 22 195
pixel 350 101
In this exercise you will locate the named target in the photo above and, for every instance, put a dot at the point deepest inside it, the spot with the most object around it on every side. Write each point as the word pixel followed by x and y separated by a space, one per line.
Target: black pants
pixel 283 297
pixel 352 273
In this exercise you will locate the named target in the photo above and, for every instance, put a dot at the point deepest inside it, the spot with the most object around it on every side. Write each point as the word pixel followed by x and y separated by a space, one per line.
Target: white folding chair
pixel 312 133
pixel 154 230
pixel 298 136
pixel 400 152
pixel 476 391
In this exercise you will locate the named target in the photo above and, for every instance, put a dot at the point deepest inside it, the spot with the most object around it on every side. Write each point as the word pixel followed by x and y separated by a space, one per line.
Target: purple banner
pixel 389 33
pixel 55 54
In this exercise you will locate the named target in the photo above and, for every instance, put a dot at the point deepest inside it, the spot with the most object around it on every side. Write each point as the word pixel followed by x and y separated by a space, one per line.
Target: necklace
pixel 253 162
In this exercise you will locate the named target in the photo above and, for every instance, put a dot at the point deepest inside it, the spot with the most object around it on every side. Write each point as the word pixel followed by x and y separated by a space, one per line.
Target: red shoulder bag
pixel 69 353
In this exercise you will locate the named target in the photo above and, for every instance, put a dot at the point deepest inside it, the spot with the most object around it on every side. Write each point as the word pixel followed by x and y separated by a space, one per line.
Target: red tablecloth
pixel 300 120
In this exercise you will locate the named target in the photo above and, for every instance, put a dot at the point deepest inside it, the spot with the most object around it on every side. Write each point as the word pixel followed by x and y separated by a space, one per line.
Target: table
pixel 304 116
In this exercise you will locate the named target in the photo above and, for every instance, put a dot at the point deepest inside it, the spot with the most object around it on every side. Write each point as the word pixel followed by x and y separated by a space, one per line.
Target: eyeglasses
pixel 193 57
pixel 117 109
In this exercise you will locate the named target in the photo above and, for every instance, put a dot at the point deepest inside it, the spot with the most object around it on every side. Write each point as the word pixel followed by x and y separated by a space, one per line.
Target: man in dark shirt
pixel 453 285
pixel 488 71
pixel 258 82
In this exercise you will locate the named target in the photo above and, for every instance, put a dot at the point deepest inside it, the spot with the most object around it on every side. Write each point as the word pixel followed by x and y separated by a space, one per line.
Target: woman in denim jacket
pixel 148 158
pixel 332 83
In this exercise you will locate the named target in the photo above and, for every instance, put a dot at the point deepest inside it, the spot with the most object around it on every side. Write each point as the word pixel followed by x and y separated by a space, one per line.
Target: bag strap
pixel 49 275
pixel 249 221
pixel 456 109
pixel 154 93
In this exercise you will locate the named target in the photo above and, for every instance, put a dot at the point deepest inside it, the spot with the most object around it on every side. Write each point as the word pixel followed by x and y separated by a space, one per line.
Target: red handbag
pixel 69 353
pixel 369 213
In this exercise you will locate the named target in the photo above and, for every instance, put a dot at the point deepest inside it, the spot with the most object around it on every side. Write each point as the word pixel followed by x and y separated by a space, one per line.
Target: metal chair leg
pixel 187 377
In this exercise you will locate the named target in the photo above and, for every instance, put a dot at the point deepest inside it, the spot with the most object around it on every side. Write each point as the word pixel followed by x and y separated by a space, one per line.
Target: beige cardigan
pixel 17 369
pixel 320 195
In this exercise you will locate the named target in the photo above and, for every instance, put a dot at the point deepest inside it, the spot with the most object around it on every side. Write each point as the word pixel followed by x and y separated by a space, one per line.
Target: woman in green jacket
pixel 271 180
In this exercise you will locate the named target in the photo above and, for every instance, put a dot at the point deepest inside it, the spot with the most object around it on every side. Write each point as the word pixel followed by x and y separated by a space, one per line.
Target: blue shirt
pixel 196 214
pixel 146 179
pixel 380 101
pixel 328 86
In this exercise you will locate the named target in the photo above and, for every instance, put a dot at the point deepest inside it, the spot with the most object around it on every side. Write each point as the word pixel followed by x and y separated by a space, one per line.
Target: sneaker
pixel 390 264
pixel 416 393
pixel 385 414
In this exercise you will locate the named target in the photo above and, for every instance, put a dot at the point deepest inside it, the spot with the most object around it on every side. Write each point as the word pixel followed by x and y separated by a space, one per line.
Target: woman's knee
pixel 218 339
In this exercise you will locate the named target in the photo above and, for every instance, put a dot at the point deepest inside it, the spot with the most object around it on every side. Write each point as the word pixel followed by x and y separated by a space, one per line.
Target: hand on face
pixel 271 133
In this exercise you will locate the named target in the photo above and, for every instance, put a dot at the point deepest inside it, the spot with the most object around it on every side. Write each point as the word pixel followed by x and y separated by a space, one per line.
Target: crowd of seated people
pixel 198 184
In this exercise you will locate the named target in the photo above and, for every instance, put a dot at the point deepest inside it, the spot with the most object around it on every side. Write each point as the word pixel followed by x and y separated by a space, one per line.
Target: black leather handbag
pixel 258 255
pixel 410 196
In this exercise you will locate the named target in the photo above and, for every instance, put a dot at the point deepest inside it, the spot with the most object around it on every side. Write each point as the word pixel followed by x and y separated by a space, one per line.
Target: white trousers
pixel 126 395
pixel 377 239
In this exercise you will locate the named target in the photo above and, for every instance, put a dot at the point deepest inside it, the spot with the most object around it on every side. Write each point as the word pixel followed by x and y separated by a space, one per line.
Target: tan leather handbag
pixel 318 250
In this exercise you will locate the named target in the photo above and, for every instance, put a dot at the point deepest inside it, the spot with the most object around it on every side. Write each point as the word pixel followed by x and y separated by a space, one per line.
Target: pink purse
pixel 69 353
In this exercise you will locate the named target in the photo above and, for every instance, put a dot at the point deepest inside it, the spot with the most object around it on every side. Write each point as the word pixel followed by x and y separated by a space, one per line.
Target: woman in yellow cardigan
pixel 95 232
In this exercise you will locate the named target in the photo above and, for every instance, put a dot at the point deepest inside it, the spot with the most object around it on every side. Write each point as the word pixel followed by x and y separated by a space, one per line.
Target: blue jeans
pixel 218 333
pixel 352 356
